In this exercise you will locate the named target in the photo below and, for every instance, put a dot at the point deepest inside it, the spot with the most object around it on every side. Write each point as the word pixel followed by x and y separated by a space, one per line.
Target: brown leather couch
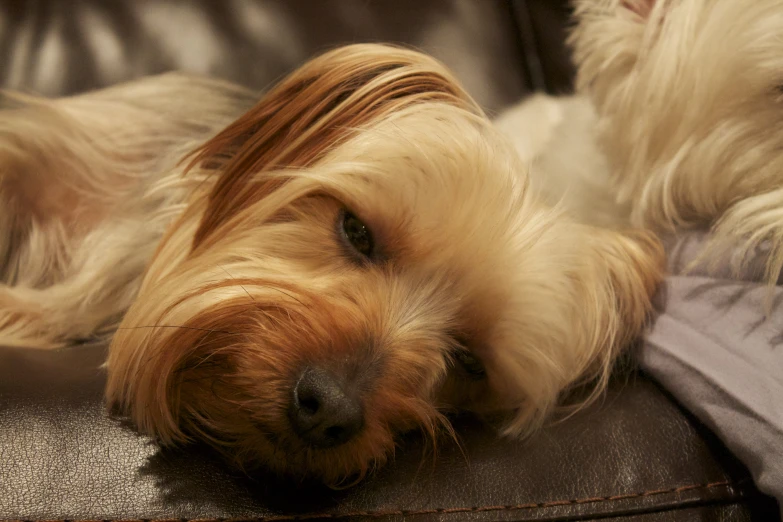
pixel 635 456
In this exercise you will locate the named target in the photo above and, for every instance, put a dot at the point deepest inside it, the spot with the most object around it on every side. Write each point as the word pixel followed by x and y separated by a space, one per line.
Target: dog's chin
pixel 278 450
pixel 273 447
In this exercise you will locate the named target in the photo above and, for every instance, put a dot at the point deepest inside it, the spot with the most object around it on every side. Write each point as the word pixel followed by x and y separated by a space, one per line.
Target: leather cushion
pixel 62 456
pixel 56 48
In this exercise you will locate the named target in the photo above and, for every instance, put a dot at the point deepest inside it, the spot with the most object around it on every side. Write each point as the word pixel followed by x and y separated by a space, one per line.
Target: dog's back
pixel 82 207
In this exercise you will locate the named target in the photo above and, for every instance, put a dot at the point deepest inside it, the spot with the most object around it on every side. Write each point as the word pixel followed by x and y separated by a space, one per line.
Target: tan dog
pixel 678 125
pixel 348 259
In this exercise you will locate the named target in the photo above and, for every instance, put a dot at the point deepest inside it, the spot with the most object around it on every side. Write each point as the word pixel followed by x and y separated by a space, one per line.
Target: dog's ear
pixel 175 387
pixel 578 320
pixel 610 35
pixel 635 262
pixel 621 275
pixel 641 8
pixel 308 113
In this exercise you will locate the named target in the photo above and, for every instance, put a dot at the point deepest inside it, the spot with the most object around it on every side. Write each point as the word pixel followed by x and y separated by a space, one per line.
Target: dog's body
pixel 89 186
pixel 558 137
pixel 675 126
pixel 352 256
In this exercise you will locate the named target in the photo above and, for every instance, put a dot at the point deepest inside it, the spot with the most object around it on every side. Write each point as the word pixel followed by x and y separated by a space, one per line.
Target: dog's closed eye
pixel 470 363
pixel 356 235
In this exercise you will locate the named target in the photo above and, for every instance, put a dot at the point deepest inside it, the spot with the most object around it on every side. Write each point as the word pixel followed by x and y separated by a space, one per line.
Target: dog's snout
pixel 325 412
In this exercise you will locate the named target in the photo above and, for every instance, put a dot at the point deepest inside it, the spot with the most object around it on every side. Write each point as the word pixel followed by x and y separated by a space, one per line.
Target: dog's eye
pixel 471 364
pixel 357 234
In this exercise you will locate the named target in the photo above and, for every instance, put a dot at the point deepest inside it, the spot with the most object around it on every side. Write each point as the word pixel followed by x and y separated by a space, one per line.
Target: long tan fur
pixel 208 229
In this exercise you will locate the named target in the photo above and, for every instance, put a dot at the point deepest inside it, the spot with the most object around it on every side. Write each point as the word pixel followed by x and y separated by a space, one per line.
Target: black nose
pixel 324 412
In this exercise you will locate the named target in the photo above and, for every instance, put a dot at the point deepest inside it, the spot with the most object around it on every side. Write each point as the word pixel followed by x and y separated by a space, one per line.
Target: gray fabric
pixel 714 348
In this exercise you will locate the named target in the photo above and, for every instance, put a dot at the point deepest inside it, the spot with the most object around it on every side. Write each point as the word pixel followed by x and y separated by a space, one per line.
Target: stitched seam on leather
pixel 444 511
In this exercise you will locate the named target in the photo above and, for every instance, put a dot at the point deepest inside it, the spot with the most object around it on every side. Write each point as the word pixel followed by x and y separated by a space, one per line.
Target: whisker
pixel 208 331
pixel 291 296
pixel 257 304
pixel 266 286
pixel 234 279
pixel 453 436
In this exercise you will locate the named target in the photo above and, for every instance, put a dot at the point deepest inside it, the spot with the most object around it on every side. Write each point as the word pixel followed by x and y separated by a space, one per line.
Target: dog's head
pixel 690 100
pixel 365 257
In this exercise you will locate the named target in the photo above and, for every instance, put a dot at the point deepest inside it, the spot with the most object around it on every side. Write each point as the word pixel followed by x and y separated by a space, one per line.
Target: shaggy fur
pixel 224 275
pixel 687 106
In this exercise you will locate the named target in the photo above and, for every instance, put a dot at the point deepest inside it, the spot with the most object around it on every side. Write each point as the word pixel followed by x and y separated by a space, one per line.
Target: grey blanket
pixel 712 346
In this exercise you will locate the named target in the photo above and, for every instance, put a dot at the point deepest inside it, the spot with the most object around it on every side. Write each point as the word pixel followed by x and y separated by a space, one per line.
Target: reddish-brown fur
pixel 322 95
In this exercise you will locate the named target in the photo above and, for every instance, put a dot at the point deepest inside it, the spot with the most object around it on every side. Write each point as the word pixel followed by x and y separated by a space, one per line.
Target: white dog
pixel 676 124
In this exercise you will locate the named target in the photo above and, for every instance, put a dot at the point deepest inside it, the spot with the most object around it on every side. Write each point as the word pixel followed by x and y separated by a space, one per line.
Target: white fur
pixel 688 104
